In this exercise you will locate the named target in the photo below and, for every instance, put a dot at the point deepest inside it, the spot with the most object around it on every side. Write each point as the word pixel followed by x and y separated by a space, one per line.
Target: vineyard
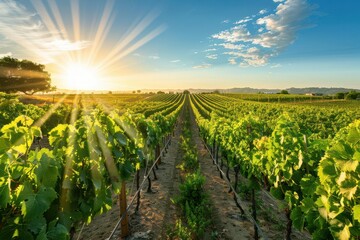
pixel 179 166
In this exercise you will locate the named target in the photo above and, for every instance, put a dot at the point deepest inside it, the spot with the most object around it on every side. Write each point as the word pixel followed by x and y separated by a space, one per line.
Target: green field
pixel 305 153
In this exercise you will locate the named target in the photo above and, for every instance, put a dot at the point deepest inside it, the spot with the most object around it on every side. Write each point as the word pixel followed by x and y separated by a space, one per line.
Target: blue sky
pixel 189 44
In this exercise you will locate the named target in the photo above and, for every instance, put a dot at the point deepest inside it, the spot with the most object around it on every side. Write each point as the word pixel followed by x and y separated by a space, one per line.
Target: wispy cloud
pixel 263 11
pixel 226 21
pixel 154 57
pixel 202 66
pixel 278 65
pixel 5 54
pixel 175 61
pixel 245 20
pixel 26 29
pixel 267 36
pixel 250 57
pixel 232 61
pixel 212 56
pixel 210 50
pixel 232 46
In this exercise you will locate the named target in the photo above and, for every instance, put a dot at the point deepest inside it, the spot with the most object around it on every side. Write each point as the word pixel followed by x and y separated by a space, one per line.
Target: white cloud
pixel 283 25
pixel 154 57
pixel 175 61
pixel 278 1
pixel 272 33
pixel 245 20
pixel 278 65
pixel 8 54
pixel 263 11
pixel 232 46
pixel 202 66
pixel 212 56
pixel 232 61
pixel 235 34
pixel 251 57
pixel 25 29
pixel 226 21
pixel 210 50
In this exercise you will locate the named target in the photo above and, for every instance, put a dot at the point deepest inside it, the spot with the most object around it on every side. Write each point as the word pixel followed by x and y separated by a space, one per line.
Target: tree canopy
pixel 23 76
pixel 284 92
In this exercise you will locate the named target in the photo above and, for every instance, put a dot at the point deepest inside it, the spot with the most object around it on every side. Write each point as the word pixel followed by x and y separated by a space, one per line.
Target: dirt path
pixel 156 213
pixel 225 214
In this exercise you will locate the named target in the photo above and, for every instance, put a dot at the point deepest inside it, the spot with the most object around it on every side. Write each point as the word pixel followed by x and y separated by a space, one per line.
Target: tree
pixel 284 92
pixel 23 76
pixel 352 95
pixel 186 92
pixel 340 95
pixel 138 91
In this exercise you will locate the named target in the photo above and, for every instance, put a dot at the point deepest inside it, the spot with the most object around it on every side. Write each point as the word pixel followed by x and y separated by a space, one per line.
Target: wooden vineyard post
pixel 217 154
pixel 227 174
pixel 289 224
pixel 213 150
pixel 137 189
pixel 157 153
pixel 165 146
pixel 123 206
pixel 236 169
pixel 253 206
pixel 149 181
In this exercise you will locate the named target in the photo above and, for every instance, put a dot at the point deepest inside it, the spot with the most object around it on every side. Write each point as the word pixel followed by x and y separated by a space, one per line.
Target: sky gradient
pixel 133 44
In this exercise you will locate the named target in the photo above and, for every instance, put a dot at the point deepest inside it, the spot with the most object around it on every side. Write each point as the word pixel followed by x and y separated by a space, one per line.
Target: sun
pixel 79 76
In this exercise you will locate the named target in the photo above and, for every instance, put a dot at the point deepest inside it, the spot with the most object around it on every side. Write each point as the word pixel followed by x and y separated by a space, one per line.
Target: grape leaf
pixel 35 204
pixel 356 210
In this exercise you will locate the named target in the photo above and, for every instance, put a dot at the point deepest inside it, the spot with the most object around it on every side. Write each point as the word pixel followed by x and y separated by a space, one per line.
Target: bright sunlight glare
pixel 79 76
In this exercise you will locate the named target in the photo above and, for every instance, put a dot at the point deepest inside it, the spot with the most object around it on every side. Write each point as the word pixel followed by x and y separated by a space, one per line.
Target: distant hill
pixel 323 90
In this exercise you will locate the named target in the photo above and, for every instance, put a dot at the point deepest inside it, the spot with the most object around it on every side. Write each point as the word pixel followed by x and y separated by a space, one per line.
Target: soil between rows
pixel 157 213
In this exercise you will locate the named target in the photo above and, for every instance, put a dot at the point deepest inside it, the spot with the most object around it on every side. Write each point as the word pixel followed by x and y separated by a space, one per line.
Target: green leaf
pixel 4 192
pixel 353 136
pixel 347 165
pixel 121 138
pixel 42 234
pixel 356 210
pixel 4 145
pixel 57 232
pixel 277 193
pixel 340 151
pixel 37 224
pixel 36 132
pixel 348 188
pixel 308 185
pixel 292 198
pixel 35 204
pixel 297 218
pixel 46 172
pixel 307 204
